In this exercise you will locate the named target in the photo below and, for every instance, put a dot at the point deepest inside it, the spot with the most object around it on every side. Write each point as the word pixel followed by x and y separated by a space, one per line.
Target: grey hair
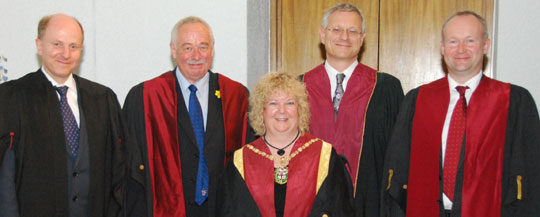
pixel 188 20
pixel 465 13
pixel 343 7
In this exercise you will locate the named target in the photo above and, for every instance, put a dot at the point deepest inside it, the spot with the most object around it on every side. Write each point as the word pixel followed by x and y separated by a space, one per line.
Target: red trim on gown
pixel 347 134
pixel 160 107
pixel 485 136
pixel 301 184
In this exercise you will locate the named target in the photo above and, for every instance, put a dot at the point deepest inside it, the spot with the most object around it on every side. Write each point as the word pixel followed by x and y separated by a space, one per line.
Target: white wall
pixel 127 42
pixel 517 46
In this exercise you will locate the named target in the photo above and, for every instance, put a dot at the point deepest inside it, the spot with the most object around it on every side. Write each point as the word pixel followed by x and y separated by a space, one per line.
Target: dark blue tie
pixel 71 129
pixel 197 122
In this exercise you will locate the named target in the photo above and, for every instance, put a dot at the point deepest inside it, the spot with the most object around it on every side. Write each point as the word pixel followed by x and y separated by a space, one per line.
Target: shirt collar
pixel 333 72
pixel 471 83
pixel 70 82
pixel 184 83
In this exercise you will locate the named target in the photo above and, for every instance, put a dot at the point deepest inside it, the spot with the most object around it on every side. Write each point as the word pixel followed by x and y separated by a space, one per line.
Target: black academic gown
pixel 30 112
pixel 521 154
pixel 334 197
pixel 139 193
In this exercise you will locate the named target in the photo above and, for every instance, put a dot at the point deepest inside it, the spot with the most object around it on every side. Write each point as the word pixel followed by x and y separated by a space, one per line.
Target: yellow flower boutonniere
pixel 218 94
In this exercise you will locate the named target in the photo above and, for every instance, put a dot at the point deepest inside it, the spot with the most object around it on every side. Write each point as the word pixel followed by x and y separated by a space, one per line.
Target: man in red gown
pixel 464 145
pixel 165 150
pixel 352 106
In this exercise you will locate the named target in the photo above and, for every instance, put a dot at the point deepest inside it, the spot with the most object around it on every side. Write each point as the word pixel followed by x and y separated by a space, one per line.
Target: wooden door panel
pixel 410 36
pixel 403 36
pixel 296 30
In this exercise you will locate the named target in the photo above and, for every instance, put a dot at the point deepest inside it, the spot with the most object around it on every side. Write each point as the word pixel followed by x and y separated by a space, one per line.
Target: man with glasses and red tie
pixel 352 105
pixel 464 145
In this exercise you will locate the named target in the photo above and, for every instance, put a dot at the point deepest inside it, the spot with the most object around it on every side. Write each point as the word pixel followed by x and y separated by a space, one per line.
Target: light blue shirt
pixel 202 92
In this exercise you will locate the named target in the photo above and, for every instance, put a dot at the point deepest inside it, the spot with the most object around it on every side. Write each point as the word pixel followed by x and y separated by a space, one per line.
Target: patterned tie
pixel 338 94
pixel 71 129
pixel 195 114
pixel 454 142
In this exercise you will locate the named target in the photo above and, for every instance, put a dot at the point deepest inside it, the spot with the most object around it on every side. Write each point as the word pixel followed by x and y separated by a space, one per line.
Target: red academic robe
pixel 364 124
pixel 496 176
pixel 318 183
pixel 158 149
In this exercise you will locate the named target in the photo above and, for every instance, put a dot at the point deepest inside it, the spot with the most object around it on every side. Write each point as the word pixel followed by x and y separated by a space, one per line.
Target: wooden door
pixel 410 36
pixel 403 36
pixel 295 43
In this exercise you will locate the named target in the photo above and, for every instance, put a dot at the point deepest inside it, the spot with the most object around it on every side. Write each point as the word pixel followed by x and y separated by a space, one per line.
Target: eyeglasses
pixel 352 32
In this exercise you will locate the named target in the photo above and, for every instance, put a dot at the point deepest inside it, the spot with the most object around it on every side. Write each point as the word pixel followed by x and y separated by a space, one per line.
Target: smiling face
pixel 280 114
pixel 193 51
pixel 60 47
pixel 463 47
pixel 342 37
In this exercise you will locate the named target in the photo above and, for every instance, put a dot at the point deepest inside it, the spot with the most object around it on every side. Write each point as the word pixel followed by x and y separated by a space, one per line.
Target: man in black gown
pixel 63 149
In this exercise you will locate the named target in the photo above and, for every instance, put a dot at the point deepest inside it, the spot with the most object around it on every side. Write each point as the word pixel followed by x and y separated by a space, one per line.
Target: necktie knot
pixel 62 90
pixel 461 90
pixel 339 78
pixel 192 88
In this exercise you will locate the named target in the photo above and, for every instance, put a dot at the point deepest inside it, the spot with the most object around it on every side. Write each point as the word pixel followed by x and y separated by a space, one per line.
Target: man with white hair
pixel 184 125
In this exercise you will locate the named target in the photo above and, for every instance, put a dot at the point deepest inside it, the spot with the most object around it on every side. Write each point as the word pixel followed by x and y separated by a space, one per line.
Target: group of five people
pixel 336 141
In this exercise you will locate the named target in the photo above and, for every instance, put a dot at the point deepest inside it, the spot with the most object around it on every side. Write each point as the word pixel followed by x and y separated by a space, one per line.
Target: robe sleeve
pixel 335 197
pixel 233 197
pixel 396 167
pixel 521 170
pixel 116 204
pixel 139 191
pixel 8 197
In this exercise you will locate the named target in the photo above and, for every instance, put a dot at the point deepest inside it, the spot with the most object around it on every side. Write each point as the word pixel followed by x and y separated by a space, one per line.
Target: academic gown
pixel 318 183
pixel 519 191
pixel 31 124
pixel 159 129
pixel 364 124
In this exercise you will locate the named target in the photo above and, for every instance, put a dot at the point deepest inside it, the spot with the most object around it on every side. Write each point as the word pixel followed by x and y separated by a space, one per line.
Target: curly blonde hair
pixel 276 82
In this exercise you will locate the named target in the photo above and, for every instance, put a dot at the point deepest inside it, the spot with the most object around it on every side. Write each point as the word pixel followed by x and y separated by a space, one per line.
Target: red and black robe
pixel 497 175
pixel 318 183
pixel 364 124
pixel 163 150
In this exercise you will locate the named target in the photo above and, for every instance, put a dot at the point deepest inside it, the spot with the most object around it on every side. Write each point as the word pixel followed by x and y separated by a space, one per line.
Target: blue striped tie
pixel 195 114
pixel 71 129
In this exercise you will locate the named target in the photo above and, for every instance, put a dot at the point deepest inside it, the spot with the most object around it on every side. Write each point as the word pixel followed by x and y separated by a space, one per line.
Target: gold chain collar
pixel 281 173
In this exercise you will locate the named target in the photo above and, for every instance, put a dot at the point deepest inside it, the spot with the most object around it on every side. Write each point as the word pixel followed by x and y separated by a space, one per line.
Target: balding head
pixel 59 44
pixel 44 22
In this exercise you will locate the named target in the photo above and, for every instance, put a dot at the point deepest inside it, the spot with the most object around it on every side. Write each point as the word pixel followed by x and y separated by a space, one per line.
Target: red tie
pixel 454 142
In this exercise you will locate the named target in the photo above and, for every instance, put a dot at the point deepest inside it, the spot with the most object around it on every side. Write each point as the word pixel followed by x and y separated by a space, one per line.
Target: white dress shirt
pixel 71 95
pixel 454 97
pixel 202 92
pixel 332 72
